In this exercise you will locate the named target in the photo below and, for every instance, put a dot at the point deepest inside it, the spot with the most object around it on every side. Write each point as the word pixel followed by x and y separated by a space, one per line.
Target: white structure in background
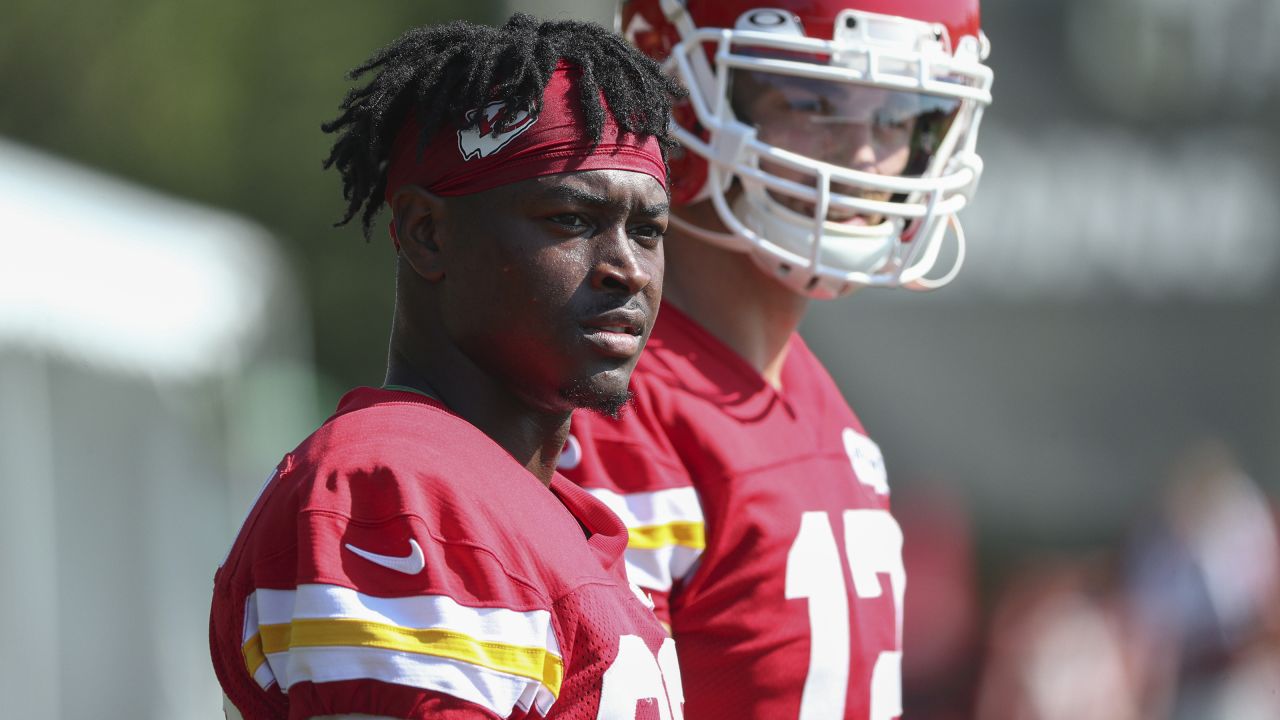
pixel 153 354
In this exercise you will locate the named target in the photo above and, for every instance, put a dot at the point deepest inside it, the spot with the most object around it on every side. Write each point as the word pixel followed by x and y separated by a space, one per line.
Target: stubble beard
pixel 584 395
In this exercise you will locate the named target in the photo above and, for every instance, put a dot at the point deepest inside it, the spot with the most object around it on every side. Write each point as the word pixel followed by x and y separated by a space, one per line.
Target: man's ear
pixel 418 218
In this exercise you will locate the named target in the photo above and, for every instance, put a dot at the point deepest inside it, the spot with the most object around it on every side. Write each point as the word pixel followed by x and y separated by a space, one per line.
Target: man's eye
pixel 569 220
pixel 809 105
pixel 648 231
pixel 892 121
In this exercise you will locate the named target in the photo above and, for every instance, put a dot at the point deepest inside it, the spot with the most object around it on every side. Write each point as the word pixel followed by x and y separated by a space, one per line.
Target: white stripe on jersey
pixel 647 509
pixel 529 629
pixel 253 658
pixel 666 533
pixel 494 657
pixel 660 568
pixel 500 693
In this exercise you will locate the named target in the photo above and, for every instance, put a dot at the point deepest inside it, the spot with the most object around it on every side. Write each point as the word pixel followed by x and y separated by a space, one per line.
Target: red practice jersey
pixel 759 523
pixel 401 563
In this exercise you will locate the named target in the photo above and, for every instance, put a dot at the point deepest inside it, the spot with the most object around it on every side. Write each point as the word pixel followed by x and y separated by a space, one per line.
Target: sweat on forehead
pixel 478 157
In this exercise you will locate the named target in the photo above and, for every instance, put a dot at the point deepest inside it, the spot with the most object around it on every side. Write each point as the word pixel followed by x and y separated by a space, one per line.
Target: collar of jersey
pixel 406 388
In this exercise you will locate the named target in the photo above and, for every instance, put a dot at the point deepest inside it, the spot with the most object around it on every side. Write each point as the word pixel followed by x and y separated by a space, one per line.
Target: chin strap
pixel 923 284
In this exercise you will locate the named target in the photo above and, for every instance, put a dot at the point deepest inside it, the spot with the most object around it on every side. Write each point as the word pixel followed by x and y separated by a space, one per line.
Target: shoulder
pixel 372 569
pixel 393 458
pixel 417 434
pixel 392 487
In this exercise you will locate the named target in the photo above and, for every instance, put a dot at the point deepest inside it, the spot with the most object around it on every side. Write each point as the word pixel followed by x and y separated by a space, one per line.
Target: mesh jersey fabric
pixel 759 522
pixel 400 563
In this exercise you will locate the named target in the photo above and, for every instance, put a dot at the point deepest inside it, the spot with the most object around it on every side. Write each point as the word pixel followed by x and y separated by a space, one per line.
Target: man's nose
pixel 850 145
pixel 617 264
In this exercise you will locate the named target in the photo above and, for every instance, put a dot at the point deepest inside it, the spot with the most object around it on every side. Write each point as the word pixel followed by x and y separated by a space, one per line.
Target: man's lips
pixel 616 333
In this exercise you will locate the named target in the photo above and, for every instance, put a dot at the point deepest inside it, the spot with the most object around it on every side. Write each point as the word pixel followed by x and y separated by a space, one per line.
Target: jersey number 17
pixel 872 546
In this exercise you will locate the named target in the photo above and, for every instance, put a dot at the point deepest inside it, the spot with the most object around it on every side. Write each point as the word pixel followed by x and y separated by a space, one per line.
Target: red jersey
pixel 401 563
pixel 759 523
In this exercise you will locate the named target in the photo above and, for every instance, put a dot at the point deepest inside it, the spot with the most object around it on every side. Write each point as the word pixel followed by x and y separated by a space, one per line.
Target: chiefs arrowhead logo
pixel 480 141
pixel 867 462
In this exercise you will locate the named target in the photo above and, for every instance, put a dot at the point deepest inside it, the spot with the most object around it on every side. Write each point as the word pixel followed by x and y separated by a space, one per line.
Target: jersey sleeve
pixel 630 466
pixel 386 617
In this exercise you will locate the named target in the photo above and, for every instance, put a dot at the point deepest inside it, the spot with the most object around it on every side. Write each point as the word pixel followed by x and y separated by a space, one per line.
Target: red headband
pixel 461 162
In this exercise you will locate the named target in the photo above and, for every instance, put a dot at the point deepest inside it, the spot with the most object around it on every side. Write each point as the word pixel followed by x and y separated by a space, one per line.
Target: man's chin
pixel 605 398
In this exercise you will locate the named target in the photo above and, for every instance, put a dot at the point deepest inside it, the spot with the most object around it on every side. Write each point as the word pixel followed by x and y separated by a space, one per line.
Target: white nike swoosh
pixel 410 564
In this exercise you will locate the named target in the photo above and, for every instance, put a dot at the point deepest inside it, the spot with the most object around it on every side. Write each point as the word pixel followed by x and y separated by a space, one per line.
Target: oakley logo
pixel 480 141
pixel 767 18
pixel 771 21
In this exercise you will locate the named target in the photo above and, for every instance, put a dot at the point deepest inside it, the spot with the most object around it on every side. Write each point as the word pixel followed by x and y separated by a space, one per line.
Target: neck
pixel 729 295
pixel 424 360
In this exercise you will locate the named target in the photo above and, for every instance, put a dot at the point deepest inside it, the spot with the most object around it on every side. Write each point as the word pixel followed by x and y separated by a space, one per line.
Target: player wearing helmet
pixel 826 146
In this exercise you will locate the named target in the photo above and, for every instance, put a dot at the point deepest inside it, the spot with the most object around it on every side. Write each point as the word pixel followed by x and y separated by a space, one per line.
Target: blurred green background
pixel 222 103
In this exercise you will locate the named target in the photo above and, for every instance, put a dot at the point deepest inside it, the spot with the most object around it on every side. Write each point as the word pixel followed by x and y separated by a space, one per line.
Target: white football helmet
pixel 834 138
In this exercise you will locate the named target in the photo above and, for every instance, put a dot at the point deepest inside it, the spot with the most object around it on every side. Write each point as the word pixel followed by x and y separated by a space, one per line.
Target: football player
pixel 826 146
pixel 417 556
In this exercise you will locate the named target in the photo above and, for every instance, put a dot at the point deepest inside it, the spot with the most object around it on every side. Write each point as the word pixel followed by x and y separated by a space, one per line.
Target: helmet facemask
pixel 838 164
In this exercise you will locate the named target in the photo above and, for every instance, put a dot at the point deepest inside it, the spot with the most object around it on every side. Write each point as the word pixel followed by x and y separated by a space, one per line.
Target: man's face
pixel 862 128
pixel 551 285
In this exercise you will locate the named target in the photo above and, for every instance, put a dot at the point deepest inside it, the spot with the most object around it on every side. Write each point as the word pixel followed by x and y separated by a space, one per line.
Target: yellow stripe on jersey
pixel 254 655
pixel 534 663
pixel 685 533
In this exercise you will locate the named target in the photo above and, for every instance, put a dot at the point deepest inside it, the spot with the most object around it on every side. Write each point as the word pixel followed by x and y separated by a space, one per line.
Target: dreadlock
pixel 444 71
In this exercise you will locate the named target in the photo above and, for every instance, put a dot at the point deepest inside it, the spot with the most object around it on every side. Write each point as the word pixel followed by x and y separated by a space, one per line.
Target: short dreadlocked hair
pixel 445 71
